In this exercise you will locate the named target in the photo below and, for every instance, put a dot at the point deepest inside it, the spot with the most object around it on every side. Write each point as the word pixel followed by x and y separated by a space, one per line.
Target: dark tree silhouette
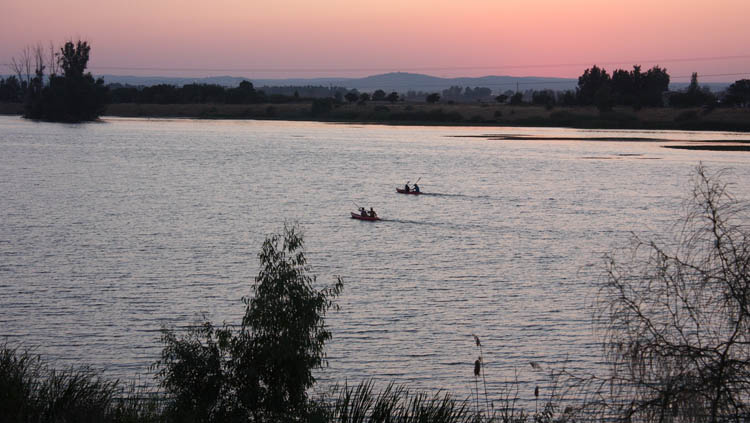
pixel 590 83
pixel 351 96
pixel 655 84
pixel 677 317
pixel 74 58
pixel 738 94
pixel 244 93
pixel 433 98
pixel 543 98
pixel 73 96
pixel 502 98
pixel 630 88
pixel 262 372
pixel 693 96
pixel 11 90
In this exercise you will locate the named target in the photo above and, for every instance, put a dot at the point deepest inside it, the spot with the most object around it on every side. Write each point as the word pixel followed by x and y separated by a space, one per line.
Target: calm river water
pixel 110 231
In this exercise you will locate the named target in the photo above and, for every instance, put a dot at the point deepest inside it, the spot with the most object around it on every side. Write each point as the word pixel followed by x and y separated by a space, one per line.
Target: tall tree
pixel 739 93
pixel 590 83
pixel 694 95
pixel 74 58
pixel 655 84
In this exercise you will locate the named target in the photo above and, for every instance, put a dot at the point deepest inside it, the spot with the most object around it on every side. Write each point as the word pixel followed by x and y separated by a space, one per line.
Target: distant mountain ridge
pixel 395 81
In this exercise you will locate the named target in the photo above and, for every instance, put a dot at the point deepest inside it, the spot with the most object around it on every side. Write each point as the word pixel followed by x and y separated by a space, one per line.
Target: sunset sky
pixel 296 38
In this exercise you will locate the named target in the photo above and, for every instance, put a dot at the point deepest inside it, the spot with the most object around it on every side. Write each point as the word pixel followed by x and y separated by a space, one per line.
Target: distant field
pixel 730 119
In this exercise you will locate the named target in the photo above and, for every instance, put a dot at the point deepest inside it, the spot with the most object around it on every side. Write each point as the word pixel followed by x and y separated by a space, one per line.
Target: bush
pixel 265 369
pixel 321 106
pixel 32 392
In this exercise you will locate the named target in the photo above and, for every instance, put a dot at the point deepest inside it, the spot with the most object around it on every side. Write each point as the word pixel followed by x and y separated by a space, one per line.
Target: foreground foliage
pixel 678 317
pixel 262 371
pixel 32 392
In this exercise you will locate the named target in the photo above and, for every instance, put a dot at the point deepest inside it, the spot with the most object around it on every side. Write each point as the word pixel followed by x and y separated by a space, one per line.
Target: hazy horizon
pixel 333 38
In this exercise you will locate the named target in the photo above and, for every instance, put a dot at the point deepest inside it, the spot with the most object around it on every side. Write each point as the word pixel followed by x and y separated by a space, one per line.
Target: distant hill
pixel 396 81
pixel 227 81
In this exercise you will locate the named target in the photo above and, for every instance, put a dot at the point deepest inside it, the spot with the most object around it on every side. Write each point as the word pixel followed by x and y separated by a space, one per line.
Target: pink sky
pixel 296 38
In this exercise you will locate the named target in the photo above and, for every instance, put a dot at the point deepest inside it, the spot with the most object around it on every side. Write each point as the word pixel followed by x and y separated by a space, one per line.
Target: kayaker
pixel 416 187
pixel 372 213
pixel 362 212
pixel 406 187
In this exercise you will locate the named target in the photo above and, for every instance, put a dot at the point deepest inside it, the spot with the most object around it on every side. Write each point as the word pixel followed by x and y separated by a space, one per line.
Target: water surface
pixel 110 231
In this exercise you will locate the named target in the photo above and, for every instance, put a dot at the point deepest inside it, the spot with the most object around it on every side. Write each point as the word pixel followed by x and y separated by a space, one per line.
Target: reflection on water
pixel 109 231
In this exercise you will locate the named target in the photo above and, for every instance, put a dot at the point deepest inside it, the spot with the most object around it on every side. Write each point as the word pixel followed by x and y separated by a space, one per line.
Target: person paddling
pixel 416 187
pixel 406 187
pixel 362 212
pixel 372 213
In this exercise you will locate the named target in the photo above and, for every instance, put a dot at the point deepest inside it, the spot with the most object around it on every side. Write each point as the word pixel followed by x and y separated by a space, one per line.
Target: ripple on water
pixel 109 232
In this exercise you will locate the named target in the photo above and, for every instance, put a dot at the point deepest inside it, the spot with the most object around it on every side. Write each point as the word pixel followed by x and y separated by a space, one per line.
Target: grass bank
pixel 721 119
pixel 460 114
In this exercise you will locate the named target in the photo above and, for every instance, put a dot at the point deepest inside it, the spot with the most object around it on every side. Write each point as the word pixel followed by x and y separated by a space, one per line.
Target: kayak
pixel 403 191
pixel 360 217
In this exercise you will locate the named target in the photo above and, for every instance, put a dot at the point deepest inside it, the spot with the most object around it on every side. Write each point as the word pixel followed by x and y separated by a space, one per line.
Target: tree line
pixel 634 88
pixel 52 85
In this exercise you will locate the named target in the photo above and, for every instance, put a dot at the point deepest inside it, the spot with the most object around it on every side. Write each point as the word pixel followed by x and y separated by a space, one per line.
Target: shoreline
pixel 446 114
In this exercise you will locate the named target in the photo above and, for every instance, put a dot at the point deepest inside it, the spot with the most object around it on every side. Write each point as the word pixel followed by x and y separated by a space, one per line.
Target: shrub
pixel 32 392
pixel 265 369
pixel 321 106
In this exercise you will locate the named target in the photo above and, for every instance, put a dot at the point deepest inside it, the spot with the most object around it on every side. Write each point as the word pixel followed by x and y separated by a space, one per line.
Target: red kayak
pixel 360 217
pixel 403 191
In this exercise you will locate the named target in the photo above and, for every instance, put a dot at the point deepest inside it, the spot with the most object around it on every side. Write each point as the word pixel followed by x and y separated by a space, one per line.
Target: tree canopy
pixel 630 88
pixel 738 94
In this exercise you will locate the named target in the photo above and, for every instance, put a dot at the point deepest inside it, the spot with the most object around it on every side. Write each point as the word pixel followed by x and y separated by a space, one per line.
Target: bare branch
pixel 675 316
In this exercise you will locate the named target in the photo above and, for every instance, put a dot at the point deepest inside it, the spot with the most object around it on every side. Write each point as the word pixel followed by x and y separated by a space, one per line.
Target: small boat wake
pixel 409 222
pixel 441 194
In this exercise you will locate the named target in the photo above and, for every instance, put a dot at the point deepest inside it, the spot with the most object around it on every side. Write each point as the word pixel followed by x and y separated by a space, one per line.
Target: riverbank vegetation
pixel 460 114
pixel 51 85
